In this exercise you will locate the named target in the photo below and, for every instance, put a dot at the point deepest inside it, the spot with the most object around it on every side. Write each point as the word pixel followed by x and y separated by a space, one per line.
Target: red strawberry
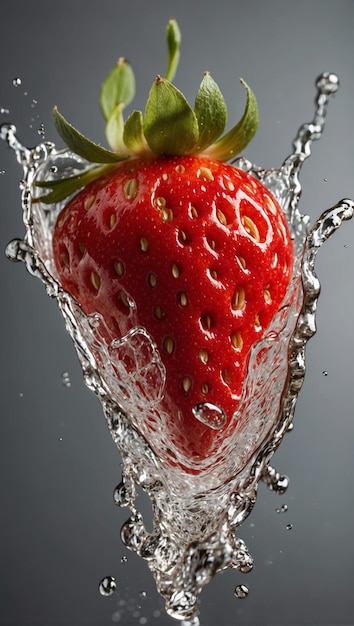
pixel 176 241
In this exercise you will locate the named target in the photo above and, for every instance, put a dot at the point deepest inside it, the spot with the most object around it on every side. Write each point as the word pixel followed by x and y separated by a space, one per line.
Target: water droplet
pixel 124 559
pixel 124 493
pixel 2 172
pixel 65 379
pixel 60 438
pixel 289 527
pixel 107 586
pixel 4 111
pixel 41 130
pixel 209 414
pixel 17 82
pixel 325 180
pixel 282 509
pixel 143 594
pixel 21 394
pixel 324 373
pixel 241 591
pixel 53 169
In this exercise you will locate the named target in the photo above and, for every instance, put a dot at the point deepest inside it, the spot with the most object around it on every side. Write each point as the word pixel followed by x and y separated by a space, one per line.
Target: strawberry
pixel 164 234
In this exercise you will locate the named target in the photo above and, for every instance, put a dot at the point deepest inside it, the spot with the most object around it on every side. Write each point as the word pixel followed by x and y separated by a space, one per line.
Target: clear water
pixel 195 517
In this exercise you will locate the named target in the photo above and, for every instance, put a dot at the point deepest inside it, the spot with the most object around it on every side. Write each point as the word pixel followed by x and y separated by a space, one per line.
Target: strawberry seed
pixel 206 321
pixel 238 301
pixel 168 345
pixel 152 280
pixel 64 257
pixel 182 298
pixel 95 280
pixel 203 355
pixel 175 270
pixel 144 244
pixel 251 228
pixel 186 384
pixel 236 340
pixel 89 201
pixel 166 215
pixel 130 188
pixel 159 312
pixel 119 268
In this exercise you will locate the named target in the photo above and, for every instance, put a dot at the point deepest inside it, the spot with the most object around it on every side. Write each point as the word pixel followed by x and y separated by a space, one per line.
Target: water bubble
pixel 65 379
pixel 41 130
pixel 241 591
pixel 282 509
pixel 143 594
pixel 53 169
pixel 60 438
pixel 289 527
pixel 209 414
pixel 4 111
pixel 21 394
pixel 2 172
pixel 107 586
pixel 17 82
pixel 124 559
pixel 324 373
pixel 325 180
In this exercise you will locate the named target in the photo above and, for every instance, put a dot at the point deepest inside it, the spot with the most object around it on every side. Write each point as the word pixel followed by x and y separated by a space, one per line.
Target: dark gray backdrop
pixel 59 526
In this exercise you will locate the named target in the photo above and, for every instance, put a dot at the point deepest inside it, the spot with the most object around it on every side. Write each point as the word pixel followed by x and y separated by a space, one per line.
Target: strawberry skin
pixel 199 254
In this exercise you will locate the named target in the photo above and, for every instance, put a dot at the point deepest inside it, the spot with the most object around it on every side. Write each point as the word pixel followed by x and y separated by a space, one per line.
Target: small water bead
pixel 282 509
pixel 41 130
pixel 289 527
pixel 17 82
pixel 65 379
pixel 209 414
pixel 241 591
pixel 324 373
pixel 4 111
pixel 328 83
pixel 107 586
pixel 124 559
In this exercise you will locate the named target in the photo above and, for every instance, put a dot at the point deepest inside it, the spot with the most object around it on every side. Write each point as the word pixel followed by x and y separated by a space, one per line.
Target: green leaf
pixel 211 112
pixel 82 146
pixel 133 133
pixel 170 125
pixel 114 129
pixel 240 135
pixel 64 187
pixel 118 88
pixel 173 44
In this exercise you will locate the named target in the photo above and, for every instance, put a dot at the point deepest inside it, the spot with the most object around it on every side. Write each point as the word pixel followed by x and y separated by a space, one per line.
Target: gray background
pixel 59 527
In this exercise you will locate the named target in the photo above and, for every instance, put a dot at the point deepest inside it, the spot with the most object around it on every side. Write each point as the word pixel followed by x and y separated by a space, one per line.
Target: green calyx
pixel 168 127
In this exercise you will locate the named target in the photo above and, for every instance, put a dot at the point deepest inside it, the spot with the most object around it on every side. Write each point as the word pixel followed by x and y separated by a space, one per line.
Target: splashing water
pixel 196 515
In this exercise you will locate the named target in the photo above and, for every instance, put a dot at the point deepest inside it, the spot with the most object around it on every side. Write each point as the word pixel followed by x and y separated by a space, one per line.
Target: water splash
pixel 195 515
